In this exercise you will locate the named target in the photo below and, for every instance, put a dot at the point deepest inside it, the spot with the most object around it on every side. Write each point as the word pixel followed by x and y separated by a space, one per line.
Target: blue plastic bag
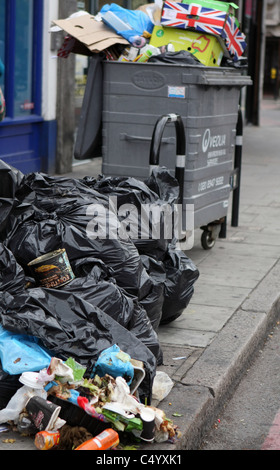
pixel 136 19
pixel 21 353
pixel 114 362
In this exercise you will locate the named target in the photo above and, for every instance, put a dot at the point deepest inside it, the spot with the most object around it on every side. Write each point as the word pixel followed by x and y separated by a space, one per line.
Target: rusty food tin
pixel 53 269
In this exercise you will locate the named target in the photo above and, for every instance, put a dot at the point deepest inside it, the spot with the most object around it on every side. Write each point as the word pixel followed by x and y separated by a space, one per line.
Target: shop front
pixel 25 136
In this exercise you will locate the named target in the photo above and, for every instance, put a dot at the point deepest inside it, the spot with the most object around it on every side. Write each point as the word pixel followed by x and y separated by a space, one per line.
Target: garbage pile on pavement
pixel 205 32
pixel 79 313
pixel 64 410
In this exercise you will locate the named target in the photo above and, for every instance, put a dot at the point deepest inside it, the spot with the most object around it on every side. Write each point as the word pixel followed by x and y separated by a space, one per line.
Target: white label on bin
pixel 176 92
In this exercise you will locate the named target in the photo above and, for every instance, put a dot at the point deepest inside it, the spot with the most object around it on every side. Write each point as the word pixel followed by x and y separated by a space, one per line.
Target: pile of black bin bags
pixel 123 289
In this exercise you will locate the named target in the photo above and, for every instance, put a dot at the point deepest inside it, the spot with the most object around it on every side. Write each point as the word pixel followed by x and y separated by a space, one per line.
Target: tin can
pixel 53 269
pixel 45 440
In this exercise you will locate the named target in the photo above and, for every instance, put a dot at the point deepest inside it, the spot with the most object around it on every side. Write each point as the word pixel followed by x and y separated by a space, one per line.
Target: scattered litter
pixel 202 31
pixel 4 428
pixel 162 385
pixel 101 409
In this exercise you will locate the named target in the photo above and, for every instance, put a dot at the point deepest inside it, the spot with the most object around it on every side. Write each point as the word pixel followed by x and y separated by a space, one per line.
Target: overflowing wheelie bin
pixel 125 98
pixel 135 96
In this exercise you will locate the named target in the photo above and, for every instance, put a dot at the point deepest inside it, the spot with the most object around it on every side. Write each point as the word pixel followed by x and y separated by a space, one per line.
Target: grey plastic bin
pixel 206 98
pixel 135 95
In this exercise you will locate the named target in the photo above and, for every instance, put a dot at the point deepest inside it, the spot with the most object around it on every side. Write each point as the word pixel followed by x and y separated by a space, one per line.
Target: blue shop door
pixel 21 29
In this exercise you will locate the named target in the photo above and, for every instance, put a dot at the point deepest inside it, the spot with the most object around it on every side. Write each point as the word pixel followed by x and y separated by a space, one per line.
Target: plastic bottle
pixel 45 440
pixel 167 48
pixel 106 440
pixel 147 52
pixel 129 54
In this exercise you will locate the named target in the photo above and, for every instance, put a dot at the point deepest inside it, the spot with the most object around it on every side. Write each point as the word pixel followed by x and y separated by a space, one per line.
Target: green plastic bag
pixel 2 106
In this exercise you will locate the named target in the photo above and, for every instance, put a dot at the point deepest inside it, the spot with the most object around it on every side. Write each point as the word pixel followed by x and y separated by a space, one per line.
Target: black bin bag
pixel 12 275
pixel 176 58
pixel 161 190
pixel 181 274
pixel 123 288
pixel 66 324
pixel 62 216
pixel 9 385
pixel 152 298
pixel 69 326
pixel 10 180
pixel 94 284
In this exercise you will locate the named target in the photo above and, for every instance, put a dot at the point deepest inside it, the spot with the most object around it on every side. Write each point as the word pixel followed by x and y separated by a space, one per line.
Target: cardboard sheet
pixel 93 34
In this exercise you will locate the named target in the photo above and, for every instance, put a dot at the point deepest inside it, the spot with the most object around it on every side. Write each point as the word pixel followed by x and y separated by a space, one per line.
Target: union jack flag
pixel 184 15
pixel 235 40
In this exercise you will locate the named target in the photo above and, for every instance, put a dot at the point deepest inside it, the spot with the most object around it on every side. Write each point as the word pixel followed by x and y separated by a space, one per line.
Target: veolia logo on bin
pixel 213 143
pixel 148 80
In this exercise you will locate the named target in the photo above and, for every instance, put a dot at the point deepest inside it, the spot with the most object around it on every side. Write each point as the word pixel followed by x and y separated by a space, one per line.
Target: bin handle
pixel 165 140
pixel 212 78
pixel 180 148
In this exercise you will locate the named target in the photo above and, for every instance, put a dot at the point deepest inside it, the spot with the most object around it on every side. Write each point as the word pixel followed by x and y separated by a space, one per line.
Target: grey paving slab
pixel 269 241
pixel 185 337
pixel 226 351
pixel 203 317
pixel 13 440
pixel 215 295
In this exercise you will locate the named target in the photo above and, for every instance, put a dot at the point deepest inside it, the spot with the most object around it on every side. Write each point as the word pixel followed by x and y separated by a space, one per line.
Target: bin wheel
pixel 207 241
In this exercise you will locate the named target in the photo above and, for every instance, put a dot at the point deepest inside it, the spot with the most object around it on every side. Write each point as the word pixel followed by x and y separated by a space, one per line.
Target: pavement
pixel 236 302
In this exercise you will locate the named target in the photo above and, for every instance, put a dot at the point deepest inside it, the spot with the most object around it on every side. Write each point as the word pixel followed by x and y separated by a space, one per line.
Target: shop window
pixel 2 41
pixel 21 23
pixel 23 100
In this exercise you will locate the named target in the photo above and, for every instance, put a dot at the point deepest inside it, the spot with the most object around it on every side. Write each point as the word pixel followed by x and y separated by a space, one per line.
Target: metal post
pixel 237 167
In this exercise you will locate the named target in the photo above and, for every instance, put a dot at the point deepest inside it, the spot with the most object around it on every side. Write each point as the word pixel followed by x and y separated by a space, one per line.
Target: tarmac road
pixel 251 419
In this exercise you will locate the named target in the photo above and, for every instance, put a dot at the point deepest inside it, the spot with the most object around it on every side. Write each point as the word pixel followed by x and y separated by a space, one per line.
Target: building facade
pixel 272 50
pixel 28 133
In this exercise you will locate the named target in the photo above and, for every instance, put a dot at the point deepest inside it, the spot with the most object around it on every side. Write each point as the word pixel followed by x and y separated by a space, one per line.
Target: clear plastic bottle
pixel 147 52
pixel 45 440
pixel 105 440
pixel 129 54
